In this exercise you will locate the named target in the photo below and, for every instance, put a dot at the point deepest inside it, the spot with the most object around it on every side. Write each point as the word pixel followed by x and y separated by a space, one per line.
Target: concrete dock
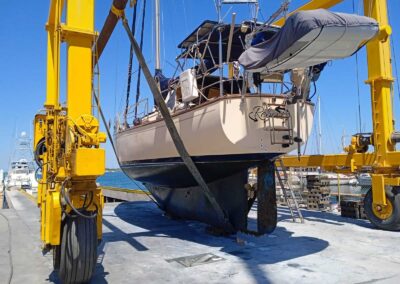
pixel 141 245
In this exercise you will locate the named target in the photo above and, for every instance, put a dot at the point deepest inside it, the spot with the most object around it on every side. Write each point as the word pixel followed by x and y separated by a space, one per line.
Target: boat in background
pixel 1 182
pixel 364 180
pixel 336 179
pixel 21 172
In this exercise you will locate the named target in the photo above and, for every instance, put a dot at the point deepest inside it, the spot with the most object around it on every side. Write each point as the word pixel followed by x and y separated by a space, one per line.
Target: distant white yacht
pixel 21 173
pixel 364 180
pixel 1 180
pixel 335 179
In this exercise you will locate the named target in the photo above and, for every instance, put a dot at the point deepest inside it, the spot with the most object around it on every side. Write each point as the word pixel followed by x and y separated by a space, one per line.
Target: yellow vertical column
pixel 52 106
pixel 381 80
pixel 53 54
pixel 80 20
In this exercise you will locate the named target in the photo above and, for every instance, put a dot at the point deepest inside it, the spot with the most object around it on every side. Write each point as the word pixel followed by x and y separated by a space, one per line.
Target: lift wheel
pixel 78 249
pixel 56 257
pixel 384 217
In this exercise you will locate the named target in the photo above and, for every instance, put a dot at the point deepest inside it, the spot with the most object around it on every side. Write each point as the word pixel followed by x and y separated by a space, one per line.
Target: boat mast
pixel 157 34
pixel 221 66
pixel 319 126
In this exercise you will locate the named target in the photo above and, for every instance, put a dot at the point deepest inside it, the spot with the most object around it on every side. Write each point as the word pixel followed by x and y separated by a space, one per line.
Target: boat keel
pixel 231 195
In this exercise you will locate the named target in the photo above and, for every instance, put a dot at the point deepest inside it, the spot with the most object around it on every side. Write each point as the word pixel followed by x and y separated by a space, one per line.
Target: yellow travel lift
pixel 382 203
pixel 67 138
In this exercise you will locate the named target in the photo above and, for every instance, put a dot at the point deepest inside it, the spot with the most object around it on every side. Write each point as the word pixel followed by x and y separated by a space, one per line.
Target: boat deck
pixel 140 245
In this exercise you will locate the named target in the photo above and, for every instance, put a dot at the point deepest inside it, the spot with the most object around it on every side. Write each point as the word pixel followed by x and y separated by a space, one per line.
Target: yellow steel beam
pixel 330 161
pixel 378 189
pixel 54 11
pixel 385 160
pixel 70 161
pixel 53 54
pixel 80 17
pixel 312 5
pixel 381 81
pixel 354 161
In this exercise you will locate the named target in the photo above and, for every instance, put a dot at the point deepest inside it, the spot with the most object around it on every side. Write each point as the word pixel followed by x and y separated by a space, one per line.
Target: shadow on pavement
pixel 256 251
pixel 323 217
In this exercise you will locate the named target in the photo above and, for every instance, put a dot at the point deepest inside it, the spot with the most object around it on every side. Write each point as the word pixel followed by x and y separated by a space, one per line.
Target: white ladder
pixel 288 193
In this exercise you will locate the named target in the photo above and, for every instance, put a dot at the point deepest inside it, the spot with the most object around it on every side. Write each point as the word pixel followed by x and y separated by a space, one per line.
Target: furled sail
pixel 309 38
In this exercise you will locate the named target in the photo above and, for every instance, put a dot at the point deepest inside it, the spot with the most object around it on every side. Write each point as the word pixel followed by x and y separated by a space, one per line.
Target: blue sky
pixel 23 65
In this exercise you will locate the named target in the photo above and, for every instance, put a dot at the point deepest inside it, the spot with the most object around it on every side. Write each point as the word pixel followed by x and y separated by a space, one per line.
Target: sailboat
pixel 225 119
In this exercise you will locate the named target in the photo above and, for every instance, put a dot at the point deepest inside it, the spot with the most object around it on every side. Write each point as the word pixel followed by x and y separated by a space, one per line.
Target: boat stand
pixel 267 212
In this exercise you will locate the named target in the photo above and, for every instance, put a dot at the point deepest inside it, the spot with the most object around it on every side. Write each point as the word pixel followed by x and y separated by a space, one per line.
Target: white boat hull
pixel 219 133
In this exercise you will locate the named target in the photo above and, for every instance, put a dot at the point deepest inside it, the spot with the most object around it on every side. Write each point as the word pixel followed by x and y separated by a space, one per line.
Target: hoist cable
pixel 140 68
pixel 395 60
pixel 358 84
pixel 128 88
pixel 358 95
pixel 110 137
pixel 395 68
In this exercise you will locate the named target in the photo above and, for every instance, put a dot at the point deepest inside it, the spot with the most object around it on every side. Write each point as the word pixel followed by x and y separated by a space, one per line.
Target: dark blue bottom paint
pixel 172 172
pixel 174 188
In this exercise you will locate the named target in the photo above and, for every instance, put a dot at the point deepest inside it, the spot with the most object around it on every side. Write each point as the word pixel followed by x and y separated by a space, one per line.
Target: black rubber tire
pixel 56 257
pixel 78 250
pixel 393 222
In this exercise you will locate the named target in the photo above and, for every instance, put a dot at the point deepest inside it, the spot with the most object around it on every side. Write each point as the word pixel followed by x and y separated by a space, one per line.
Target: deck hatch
pixel 195 260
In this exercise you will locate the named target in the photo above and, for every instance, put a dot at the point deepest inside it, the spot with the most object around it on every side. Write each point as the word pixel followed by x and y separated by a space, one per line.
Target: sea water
pixel 120 180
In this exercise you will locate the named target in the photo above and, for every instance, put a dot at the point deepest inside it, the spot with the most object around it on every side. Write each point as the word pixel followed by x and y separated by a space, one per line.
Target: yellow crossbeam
pixel 312 5
pixel 353 161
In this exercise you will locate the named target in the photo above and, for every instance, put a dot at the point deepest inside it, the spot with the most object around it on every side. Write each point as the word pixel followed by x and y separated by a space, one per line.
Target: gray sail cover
pixel 309 38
